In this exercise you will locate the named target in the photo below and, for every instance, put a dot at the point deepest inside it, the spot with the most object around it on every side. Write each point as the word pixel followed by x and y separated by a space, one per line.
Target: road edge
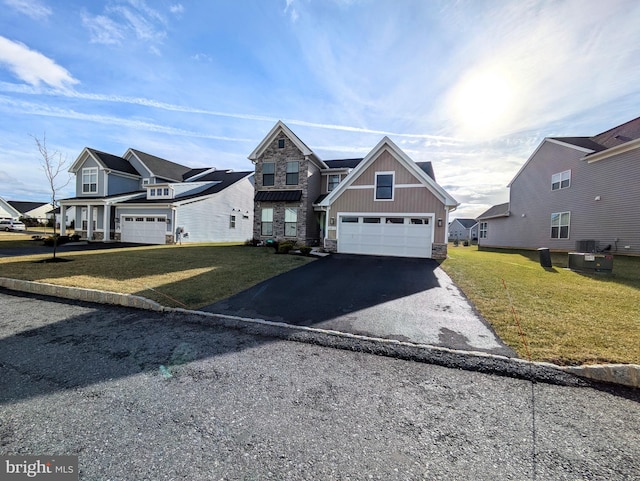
pixel 627 375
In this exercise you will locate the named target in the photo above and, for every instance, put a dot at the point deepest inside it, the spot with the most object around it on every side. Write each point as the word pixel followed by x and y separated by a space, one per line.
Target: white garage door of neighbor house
pixel 143 230
pixel 385 235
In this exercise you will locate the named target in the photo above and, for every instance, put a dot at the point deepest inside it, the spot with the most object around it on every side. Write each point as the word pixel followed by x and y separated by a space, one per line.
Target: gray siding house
pixel 463 230
pixel 145 199
pixel 573 189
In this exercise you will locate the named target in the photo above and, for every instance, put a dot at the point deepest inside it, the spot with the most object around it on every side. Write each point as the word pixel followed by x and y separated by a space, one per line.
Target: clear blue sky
pixel 471 85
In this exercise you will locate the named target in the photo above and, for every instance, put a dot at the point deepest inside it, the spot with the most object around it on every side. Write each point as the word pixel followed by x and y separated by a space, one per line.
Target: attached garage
pixel 385 235
pixel 143 230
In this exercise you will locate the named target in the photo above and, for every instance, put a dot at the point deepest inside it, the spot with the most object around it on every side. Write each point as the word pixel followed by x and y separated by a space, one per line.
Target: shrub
pixel 305 250
pixel 284 247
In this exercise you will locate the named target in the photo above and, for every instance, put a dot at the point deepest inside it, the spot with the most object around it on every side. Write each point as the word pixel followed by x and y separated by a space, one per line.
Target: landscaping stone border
pixel 621 374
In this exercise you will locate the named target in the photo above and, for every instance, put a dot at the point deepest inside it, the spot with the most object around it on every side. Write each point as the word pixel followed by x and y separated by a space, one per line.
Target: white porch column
pixel 106 224
pixel 89 222
pixel 63 220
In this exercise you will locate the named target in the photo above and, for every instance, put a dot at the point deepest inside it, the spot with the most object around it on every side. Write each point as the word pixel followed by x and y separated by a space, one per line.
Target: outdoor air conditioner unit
pixel 586 246
pixel 586 262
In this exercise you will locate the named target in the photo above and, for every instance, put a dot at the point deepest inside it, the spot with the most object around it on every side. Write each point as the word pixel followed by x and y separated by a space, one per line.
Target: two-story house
pixel 145 199
pixel 573 189
pixel 463 230
pixel 382 204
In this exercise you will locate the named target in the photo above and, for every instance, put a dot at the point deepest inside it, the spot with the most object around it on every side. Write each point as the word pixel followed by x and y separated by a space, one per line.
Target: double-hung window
pixel 384 186
pixel 560 222
pixel 332 182
pixel 267 221
pixel 268 174
pixel 90 180
pixel 483 230
pixel 290 222
pixel 232 222
pixel 561 180
pixel 293 169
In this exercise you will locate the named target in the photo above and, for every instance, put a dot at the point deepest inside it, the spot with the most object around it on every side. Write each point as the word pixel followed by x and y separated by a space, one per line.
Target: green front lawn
pixel 191 275
pixel 567 317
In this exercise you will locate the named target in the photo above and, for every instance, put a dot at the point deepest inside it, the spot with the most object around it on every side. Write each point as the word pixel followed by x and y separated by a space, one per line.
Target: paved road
pixel 389 297
pixel 86 380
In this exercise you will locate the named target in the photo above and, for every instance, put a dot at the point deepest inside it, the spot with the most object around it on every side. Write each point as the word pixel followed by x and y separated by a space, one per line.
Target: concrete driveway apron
pixel 389 297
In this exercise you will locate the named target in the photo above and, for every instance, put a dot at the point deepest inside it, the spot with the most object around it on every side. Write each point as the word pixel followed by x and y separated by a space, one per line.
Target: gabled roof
pixel 194 172
pixel 466 223
pixel 500 210
pixel 427 168
pixel 106 161
pixel 619 135
pixel 220 179
pixel 9 208
pixel 273 134
pixel 24 207
pixel 160 167
pixel 584 142
pixel 386 144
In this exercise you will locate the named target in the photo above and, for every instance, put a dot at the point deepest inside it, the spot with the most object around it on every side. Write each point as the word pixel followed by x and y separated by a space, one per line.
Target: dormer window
pixel 332 182
pixel 145 181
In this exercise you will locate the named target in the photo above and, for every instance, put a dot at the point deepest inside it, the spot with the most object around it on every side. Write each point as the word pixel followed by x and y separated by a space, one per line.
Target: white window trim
pixel 560 225
pixel 295 211
pixel 329 181
pixel 393 186
pixel 89 171
pixel 482 230
pixel 560 174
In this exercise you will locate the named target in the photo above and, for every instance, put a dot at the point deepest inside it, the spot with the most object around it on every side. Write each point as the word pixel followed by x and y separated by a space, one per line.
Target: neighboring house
pixel 573 189
pixel 70 215
pixel 7 211
pixel 32 210
pixel 463 229
pixel 383 204
pixel 144 199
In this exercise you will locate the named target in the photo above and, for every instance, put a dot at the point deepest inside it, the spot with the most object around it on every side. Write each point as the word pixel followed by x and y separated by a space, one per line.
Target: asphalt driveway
pixel 389 297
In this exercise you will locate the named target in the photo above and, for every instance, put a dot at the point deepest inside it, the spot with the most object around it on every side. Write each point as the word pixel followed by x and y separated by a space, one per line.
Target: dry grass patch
pixel 567 317
pixel 189 276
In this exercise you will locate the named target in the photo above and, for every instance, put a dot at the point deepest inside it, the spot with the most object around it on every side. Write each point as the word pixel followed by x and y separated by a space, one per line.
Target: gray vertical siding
pixel 615 180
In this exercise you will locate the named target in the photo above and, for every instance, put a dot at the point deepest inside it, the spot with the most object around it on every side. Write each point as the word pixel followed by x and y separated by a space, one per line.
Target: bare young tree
pixel 53 164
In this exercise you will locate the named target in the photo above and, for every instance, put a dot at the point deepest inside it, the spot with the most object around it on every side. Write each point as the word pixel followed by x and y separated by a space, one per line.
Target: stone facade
pixel 305 232
pixel 438 251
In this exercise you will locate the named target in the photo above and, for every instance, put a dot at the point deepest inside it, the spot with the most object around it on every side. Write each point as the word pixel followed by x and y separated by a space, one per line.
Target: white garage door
pixel 143 230
pixel 385 235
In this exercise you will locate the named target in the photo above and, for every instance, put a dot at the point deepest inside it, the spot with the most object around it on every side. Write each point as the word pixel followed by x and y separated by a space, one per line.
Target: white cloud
pixel 176 9
pixel 291 10
pixel 103 30
pixel 32 8
pixel 124 21
pixel 33 67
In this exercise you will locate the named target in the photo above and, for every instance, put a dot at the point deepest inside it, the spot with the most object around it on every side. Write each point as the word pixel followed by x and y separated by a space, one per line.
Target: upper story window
pixel 160 192
pixel 90 180
pixel 384 185
pixel 332 182
pixel 293 169
pixel 145 181
pixel 561 180
pixel 268 173
pixel 281 143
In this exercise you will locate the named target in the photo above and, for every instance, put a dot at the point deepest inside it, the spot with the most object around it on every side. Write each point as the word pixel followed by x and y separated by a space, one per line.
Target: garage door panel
pixel 385 238
pixel 143 230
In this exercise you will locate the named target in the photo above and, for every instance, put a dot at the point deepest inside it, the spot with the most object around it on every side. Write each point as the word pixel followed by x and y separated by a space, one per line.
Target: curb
pixel 621 374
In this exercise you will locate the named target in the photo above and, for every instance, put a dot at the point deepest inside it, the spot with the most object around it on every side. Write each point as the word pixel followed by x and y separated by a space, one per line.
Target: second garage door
pixel 385 235
pixel 144 230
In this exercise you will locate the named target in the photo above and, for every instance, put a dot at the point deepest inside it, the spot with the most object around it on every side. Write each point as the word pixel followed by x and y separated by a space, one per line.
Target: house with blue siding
pixel 573 189
pixel 145 199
